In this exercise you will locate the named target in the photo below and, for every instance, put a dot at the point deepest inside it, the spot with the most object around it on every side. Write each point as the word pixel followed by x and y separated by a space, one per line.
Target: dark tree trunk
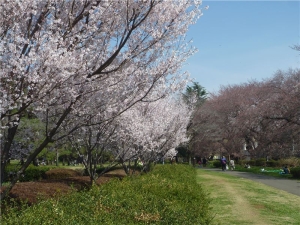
pixel 6 148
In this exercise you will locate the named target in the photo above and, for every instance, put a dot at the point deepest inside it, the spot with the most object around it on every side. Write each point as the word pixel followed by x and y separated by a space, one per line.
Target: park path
pixel 288 185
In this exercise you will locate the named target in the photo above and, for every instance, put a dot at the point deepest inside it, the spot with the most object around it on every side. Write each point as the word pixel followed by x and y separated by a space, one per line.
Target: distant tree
pixel 261 116
pixel 281 110
pixel 195 94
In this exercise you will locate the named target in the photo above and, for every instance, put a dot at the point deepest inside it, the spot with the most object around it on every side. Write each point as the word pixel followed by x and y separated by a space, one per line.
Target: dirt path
pixel 238 208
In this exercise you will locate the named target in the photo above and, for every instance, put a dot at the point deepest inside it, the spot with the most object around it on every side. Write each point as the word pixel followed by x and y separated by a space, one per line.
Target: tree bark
pixel 5 152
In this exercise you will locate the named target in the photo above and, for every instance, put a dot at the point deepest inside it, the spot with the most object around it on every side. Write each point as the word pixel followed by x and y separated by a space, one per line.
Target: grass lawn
pixel 269 171
pixel 240 201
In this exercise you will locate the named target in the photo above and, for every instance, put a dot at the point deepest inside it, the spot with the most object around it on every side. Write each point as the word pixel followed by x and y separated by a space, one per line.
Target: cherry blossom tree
pixel 90 143
pixel 281 110
pixel 65 61
pixel 237 114
pixel 214 125
pixel 147 132
pixel 262 116
pixel 151 131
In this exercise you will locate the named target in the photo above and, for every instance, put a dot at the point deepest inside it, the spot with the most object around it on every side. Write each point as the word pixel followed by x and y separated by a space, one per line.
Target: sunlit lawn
pixel 240 201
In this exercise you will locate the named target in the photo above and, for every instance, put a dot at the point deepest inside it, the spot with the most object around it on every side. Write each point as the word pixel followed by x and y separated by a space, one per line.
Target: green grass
pixel 268 171
pixel 240 201
pixel 169 194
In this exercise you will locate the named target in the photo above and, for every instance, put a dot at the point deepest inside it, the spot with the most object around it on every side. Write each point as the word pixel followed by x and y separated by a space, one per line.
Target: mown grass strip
pixel 240 201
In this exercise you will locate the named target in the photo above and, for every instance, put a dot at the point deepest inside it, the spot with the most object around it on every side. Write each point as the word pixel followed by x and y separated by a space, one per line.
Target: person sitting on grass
pixel 286 170
pixel 247 166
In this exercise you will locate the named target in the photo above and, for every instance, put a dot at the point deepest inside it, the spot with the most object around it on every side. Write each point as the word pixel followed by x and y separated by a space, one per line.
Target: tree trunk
pixel 30 159
pixel 35 153
pixel 5 152
pixel 56 157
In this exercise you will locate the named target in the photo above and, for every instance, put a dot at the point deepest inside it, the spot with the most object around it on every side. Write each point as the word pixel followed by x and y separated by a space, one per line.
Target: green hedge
pixel 32 173
pixel 217 163
pixel 169 194
pixel 295 172
pixel 291 162
pixel 10 171
pixel 273 163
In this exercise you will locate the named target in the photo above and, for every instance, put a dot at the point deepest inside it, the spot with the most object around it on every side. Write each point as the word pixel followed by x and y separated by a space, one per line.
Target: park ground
pixel 239 200
pixel 235 200
pixel 33 191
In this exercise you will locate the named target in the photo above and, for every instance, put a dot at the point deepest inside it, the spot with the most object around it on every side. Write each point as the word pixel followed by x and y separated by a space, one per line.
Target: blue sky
pixel 239 41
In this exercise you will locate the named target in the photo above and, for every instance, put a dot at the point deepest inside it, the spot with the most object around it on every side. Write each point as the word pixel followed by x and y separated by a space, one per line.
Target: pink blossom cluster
pixel 73 64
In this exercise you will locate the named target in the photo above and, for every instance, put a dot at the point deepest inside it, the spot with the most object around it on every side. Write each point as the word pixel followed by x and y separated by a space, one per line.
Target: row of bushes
pixel 32 173
pixel 35 173
pixel 295 171
pixel 169 194
pixel 294 166
pixel 290 162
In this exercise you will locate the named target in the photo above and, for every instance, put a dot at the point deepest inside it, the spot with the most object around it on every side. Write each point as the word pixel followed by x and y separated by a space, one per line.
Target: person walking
pixel 204 162
pixel 200 162
pixel 223 163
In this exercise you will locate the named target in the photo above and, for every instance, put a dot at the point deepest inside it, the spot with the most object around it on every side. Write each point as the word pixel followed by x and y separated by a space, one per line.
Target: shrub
pixel 10 171
pixel 60 173
pixel 33 173
pixel 169 194
pixel 295 172
pixel 291 162
pixel 243 162
pixel 252 162
pixel 217 163
pixel 260 162
pixel 273 163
